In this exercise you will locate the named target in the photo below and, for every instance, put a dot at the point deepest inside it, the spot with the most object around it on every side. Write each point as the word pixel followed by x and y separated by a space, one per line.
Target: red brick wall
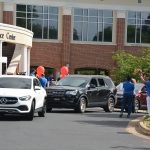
pixel 66 37
pixel 8 17
pixel 86 55
pixel 120 30
pixel 46 54
pixel 135 50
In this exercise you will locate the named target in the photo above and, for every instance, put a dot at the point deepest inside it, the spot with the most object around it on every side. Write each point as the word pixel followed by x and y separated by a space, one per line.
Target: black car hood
pixel 63 88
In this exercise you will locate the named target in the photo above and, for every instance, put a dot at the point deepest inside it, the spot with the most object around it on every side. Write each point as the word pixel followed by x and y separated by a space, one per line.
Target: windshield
pixel 15 83
pixel 73 81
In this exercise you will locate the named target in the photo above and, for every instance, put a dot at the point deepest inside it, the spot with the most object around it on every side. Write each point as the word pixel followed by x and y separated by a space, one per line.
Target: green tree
pixel 126 63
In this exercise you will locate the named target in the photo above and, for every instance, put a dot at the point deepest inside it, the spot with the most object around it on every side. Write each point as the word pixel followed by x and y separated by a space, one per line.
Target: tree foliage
pixel 126 63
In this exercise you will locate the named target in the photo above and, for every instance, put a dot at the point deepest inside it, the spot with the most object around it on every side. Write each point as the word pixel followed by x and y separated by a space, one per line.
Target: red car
pixel 140 97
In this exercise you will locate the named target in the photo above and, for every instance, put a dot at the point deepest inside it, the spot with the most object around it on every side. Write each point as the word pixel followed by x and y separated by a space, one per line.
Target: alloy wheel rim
pixel 82 105
pixel 111 105
pixel 136 106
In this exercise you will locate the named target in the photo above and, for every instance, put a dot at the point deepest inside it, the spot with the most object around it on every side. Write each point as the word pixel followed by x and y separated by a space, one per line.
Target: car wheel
pixel 48 109
pixel 82 105
pixel 110 105
pixel 31 113
pixel 42 113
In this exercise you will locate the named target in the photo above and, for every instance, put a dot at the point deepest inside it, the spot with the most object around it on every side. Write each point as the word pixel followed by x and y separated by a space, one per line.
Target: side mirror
pixel 37 88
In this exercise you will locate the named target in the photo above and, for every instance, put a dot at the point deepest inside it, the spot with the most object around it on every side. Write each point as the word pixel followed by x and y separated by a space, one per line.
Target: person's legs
pixel 123 104
pixel 133 104
pixel 130 99
pixel 148 105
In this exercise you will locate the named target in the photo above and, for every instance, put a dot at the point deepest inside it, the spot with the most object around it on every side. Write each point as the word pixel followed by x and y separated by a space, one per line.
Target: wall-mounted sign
pixel 8 36
pixel 15 34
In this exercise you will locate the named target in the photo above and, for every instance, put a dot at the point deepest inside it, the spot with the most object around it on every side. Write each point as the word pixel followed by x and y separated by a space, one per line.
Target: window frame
pixel 95 42
pixel 136 24
pixel 42 20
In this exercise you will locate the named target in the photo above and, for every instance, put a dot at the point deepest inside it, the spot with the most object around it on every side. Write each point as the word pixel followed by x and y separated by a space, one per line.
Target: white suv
pixel 23 95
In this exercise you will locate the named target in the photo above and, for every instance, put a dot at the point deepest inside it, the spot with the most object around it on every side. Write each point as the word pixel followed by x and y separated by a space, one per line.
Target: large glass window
pixel 92 25
pixel 42 20
pixel 138 27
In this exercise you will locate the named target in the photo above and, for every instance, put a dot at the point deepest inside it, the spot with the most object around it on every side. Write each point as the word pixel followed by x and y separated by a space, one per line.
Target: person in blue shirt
pixel 49 80
pixel 43 80
pixel 147 85
pixel 128 95
pixel 33 73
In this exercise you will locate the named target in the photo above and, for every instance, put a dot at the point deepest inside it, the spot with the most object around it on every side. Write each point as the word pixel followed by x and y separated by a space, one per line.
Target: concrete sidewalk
pixel 137 128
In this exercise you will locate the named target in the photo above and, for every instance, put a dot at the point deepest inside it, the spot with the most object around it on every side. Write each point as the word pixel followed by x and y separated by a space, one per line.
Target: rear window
pixel 15 83
pixel 109 82
pixel 101 82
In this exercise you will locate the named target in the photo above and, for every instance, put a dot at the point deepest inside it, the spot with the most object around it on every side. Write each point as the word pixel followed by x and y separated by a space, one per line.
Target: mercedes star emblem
pixel 3 100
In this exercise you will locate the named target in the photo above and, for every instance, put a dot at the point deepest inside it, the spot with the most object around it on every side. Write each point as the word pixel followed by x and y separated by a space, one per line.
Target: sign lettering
pixel 8 36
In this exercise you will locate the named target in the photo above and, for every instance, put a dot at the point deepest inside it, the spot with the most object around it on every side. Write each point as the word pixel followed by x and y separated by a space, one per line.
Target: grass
pixel 146 121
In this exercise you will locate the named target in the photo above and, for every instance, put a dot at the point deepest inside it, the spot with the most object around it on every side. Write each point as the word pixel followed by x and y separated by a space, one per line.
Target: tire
pixel 110 105
pixel 81 105
pixel 48 109
pixel 42 113
pixel 30 115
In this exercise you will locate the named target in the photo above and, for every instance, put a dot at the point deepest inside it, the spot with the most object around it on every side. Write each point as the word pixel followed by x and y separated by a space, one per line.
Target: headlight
pixel 25 98
pixel 72 92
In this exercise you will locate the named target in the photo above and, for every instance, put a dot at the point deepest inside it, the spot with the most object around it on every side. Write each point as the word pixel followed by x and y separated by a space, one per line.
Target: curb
pixel 136 127
pixel 142 128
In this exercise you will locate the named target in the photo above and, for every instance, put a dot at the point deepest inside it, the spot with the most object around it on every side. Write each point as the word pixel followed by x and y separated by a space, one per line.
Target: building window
pixel 92 25
pixel 139 1
pixel 41 20
pixel 91 71
pixel 138 27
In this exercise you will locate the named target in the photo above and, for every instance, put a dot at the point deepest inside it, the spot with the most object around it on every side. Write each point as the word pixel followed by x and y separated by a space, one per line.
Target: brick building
pixel 81 34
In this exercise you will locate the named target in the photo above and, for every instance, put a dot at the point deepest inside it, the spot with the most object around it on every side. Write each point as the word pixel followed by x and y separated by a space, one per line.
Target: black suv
pixel 81 91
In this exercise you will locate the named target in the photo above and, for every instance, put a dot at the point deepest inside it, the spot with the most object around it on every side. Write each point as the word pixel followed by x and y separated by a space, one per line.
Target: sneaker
pixel 121 115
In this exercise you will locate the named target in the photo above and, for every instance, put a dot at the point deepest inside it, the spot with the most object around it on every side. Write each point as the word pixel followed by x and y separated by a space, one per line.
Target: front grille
pixel 8 100
pixel 55 93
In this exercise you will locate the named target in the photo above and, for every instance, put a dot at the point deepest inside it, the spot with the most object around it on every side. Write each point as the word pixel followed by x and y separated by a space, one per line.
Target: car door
pixel 92 92
pixel 38 93
pixel 103 91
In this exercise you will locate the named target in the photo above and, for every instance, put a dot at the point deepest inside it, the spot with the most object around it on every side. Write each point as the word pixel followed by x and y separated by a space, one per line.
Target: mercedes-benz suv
pixel 81 91
pixel 22 95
